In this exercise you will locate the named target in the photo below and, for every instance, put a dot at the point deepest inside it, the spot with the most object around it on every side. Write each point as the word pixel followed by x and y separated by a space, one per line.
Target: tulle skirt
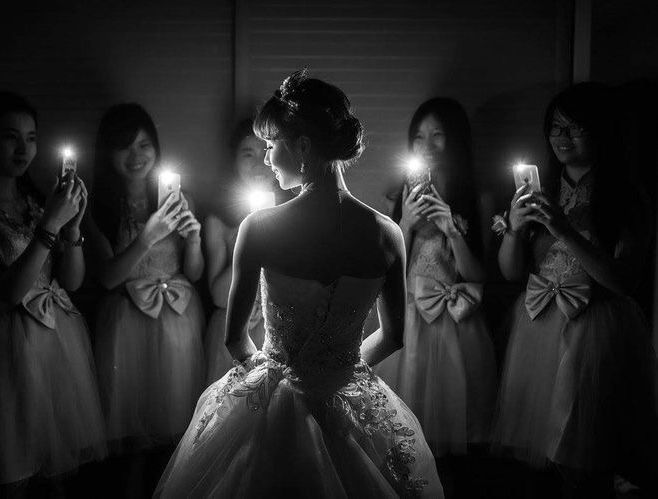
pixel 50 414
pixel 266 434
pixel 218 358
pixel 580 392
pixel 446 373
pixel 151 371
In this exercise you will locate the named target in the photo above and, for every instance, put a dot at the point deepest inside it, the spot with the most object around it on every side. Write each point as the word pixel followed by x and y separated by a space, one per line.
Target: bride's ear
pixel 304 146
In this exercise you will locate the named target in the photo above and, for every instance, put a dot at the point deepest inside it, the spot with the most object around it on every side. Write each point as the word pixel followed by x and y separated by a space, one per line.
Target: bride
pixel 306 416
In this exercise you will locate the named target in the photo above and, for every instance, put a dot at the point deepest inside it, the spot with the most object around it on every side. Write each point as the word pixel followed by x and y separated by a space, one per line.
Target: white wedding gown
pixel 310 419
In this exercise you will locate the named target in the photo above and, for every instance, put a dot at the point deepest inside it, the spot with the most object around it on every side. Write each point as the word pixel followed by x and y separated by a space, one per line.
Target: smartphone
pixel 168 182
pixel 527 174
pixel 419 175
pixel 69 162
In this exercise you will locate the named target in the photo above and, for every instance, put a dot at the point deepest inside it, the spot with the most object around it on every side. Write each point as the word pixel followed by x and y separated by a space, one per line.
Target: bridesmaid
pixel 446 371
pixel 50 415
pixel 148 336
pixel 219 239
pixel 576 400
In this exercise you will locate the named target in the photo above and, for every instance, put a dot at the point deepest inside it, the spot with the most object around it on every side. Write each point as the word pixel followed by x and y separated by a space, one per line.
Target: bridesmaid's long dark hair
pixel 461 194
pixel 117 130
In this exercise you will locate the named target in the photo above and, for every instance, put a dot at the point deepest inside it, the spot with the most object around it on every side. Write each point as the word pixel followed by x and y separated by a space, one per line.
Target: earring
pixel 303 168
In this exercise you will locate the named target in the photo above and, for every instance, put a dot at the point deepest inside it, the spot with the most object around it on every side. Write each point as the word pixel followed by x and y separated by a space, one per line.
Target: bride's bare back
pixel 323 234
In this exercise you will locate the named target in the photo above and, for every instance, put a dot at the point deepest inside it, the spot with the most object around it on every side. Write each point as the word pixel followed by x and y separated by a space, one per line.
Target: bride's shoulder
pixel 380 226
pixel 383 222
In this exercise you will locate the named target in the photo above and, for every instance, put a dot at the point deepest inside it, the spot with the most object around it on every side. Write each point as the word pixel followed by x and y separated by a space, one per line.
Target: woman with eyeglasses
pixel 576 400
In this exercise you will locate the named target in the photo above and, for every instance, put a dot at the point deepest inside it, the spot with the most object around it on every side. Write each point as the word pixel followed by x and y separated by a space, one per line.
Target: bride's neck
pixel 330 178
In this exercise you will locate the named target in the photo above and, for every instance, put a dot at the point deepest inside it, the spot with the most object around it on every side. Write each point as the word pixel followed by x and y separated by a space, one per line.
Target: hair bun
pixel 347 143
pixel 317 109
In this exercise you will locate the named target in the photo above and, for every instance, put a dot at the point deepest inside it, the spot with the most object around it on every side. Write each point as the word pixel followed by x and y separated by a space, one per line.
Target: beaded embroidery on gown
pixel 309 418
pixel 50 413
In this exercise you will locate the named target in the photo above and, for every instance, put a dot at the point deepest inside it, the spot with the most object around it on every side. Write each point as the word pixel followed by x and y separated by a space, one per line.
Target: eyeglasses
pixel 572 131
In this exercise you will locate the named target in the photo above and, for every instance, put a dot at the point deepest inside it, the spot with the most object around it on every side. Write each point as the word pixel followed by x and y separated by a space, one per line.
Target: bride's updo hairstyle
pixel 313 108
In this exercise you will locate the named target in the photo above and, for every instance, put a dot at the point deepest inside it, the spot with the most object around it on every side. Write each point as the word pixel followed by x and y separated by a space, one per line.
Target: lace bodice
pixel 555 261
pixel 163 259
pixel 431 256
pixel 315 329
pixel 15 237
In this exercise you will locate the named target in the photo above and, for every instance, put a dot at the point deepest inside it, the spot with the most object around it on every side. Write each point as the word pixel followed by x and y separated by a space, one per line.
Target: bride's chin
pixel 286 186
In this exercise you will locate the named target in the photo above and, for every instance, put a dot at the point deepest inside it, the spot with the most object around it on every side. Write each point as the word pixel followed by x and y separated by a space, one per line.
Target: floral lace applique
pixel 216 398
pixel 15 236
pixel 366 406
pixel 431 256
pixel 162 260
pixel 255 385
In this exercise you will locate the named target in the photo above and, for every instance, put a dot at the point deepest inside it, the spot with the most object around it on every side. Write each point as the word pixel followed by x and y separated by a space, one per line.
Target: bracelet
pixel 74 244
pixel 500 224
pixel 45 237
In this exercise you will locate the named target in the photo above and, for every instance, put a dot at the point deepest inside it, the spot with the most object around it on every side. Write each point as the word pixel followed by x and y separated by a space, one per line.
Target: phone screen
pixel 69 163
pixel 527 174
pixel 168 182
pixel 420 177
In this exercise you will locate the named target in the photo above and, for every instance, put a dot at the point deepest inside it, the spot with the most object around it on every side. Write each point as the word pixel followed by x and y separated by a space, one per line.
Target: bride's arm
pixel 391 307
pixel 244 285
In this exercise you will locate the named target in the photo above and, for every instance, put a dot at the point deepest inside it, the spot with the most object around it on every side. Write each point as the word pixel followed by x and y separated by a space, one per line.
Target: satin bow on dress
pixel 571 295
pixel 433 297
pixel 40 303
pixel 149 295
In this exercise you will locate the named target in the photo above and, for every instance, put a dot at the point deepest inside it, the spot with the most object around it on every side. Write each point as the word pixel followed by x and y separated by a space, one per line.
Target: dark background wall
pixel 193 63
pixel 73 59
pixel 625 53
pixel 198 65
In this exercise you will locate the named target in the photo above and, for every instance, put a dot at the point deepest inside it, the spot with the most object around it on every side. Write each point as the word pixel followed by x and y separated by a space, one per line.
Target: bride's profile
pixel 306 416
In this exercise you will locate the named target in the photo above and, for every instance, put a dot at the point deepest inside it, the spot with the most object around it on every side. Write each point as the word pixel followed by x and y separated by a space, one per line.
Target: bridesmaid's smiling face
pixel 429 140
pixel 572 145
pixel 137 160
pixel 18 143
pixel 249 161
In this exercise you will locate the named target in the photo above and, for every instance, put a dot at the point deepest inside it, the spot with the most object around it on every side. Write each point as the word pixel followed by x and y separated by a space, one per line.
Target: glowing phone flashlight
pixel 259 199
pixel 418 173
pixel 69 161
pixel 527 174
pixel 168 182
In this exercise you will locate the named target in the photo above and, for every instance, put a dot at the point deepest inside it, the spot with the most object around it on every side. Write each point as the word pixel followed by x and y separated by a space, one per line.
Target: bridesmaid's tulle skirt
pixel 446 373
pixel 151 371
pixel 580 392
pixel 50 414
